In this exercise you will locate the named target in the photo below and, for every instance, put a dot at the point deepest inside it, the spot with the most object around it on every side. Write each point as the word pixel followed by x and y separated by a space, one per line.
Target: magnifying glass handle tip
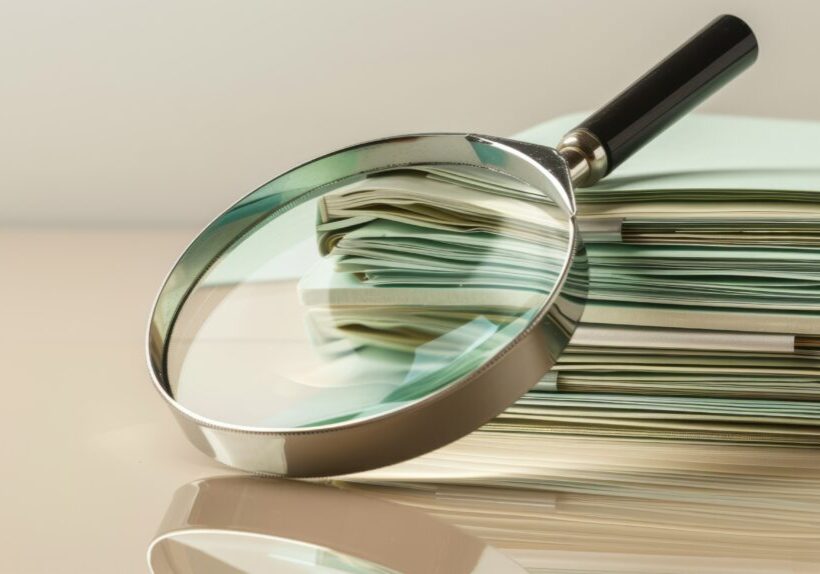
pixel 700 67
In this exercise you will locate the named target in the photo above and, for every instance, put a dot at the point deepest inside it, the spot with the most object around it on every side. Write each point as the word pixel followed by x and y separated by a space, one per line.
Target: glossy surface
pixel 724 521
pixel 94 460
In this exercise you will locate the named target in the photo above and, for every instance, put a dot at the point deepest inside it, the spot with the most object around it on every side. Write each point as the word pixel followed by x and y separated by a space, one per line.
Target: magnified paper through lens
pixel 366 296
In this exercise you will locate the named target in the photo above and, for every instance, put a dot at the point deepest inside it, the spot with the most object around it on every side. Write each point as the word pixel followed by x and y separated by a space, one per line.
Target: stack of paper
pixel 714 280
pixel 702 320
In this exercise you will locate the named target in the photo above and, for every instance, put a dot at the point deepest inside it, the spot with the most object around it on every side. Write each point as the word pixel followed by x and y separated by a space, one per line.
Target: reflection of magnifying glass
pixel 617 520
pixel 240 524
pixel 386 299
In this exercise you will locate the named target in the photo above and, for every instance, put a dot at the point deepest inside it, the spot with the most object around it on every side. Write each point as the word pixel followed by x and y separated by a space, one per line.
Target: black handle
pixel 711 58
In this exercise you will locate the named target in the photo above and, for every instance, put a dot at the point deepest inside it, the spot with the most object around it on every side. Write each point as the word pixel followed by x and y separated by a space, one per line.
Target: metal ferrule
pixel 585 157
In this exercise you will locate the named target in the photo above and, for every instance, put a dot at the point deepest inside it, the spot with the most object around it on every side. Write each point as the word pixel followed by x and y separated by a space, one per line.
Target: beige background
pixel 126 113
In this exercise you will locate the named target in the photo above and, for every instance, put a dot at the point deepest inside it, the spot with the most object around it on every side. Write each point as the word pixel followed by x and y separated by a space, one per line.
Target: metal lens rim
pixel 549 176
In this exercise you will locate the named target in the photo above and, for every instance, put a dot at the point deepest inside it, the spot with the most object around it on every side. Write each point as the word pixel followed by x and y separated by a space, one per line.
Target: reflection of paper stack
pixel 571 504
pixel 703 318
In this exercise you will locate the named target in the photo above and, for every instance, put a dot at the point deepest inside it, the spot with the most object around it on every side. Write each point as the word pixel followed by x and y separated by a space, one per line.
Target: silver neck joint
pixel 585 157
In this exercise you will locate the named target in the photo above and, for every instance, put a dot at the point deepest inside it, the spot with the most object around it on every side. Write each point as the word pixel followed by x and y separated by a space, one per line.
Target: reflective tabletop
pixel 100 479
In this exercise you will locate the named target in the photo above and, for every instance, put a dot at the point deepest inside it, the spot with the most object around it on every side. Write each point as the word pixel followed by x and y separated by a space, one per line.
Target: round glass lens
pixel 366 296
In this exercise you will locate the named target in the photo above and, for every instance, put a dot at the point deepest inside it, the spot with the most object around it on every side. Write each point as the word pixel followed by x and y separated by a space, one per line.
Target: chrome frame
pixel 432 422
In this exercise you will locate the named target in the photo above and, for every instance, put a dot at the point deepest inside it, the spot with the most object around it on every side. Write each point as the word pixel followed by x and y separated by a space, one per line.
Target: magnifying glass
pixel 386 299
